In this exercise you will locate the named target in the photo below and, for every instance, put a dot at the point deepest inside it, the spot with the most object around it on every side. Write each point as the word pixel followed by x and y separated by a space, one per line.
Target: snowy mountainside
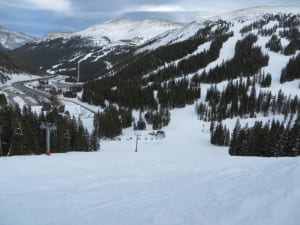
pixel 94 47
pixel 174 36
pixel 10 39
pixel 238 20
pixel 122 31
pixel 242 16
pixel 10 64
pixel 255 13
pixel 236 25
pixel 203 63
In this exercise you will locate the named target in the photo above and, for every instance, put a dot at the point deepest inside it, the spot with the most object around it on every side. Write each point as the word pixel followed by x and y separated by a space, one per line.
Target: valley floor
pixel 180 179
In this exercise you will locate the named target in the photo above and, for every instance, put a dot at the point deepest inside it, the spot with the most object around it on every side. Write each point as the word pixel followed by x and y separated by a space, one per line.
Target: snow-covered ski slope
pixel 238 19
pixel 181 179
pixel 107 40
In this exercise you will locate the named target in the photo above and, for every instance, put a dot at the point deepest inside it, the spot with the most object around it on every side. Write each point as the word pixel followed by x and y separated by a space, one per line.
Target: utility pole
pixel 49 127
pixel 1 150
pixel 17 131
pixel 78 72
pixel 136 143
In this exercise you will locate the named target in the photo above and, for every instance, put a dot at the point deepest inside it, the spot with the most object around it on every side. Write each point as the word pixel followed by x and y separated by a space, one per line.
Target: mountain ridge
pixel 257 12
pixel 111 42
pixel 11 39
pixel 119 30
pixel 244 13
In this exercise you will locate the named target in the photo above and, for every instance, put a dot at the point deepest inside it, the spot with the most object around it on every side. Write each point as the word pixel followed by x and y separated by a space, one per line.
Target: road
pixel 38 95
pixel 12 92
pixel 77 103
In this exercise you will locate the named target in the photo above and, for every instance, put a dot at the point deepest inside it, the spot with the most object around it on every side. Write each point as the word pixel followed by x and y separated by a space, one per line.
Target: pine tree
pixel 235 139
pixel 94 142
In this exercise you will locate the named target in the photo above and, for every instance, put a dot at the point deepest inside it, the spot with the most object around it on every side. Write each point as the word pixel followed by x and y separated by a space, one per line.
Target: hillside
pixel 10 39
pixel 96 48
pixel 9 64
pixel 228 66
pixel 236 66
pixel 269 28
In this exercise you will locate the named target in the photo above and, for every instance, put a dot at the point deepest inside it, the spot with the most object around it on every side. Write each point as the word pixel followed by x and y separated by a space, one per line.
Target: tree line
pixel 129 88
pixel 191 64
pixel 9 64
pixel 110 122
pixel 240 98
pixel 272 139
pixel 291 71
pixel 21 133
pixel 269 139
pixel 289 29
pixel 247 61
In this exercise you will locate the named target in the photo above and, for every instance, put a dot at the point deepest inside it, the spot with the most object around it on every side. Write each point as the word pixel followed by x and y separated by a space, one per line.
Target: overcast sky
pixel 37 17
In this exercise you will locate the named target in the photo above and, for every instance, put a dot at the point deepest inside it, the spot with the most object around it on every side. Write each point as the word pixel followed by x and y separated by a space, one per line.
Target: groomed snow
pixel 19 101
pixel 181 179
pixel 19 77
pixel 201 48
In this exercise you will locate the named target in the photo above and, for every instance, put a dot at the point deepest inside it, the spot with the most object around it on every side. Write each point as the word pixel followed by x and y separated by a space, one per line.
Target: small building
pixel 43 84
pixel 46 107
pixel 63 86
pixel 158 133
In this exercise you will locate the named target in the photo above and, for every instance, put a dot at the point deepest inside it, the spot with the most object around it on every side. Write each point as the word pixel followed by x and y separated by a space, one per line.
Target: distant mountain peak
pixel 10 39
pixel 120 31
pixel 135 31
pixel 119 20
pixel 129 20
pixel 54 35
